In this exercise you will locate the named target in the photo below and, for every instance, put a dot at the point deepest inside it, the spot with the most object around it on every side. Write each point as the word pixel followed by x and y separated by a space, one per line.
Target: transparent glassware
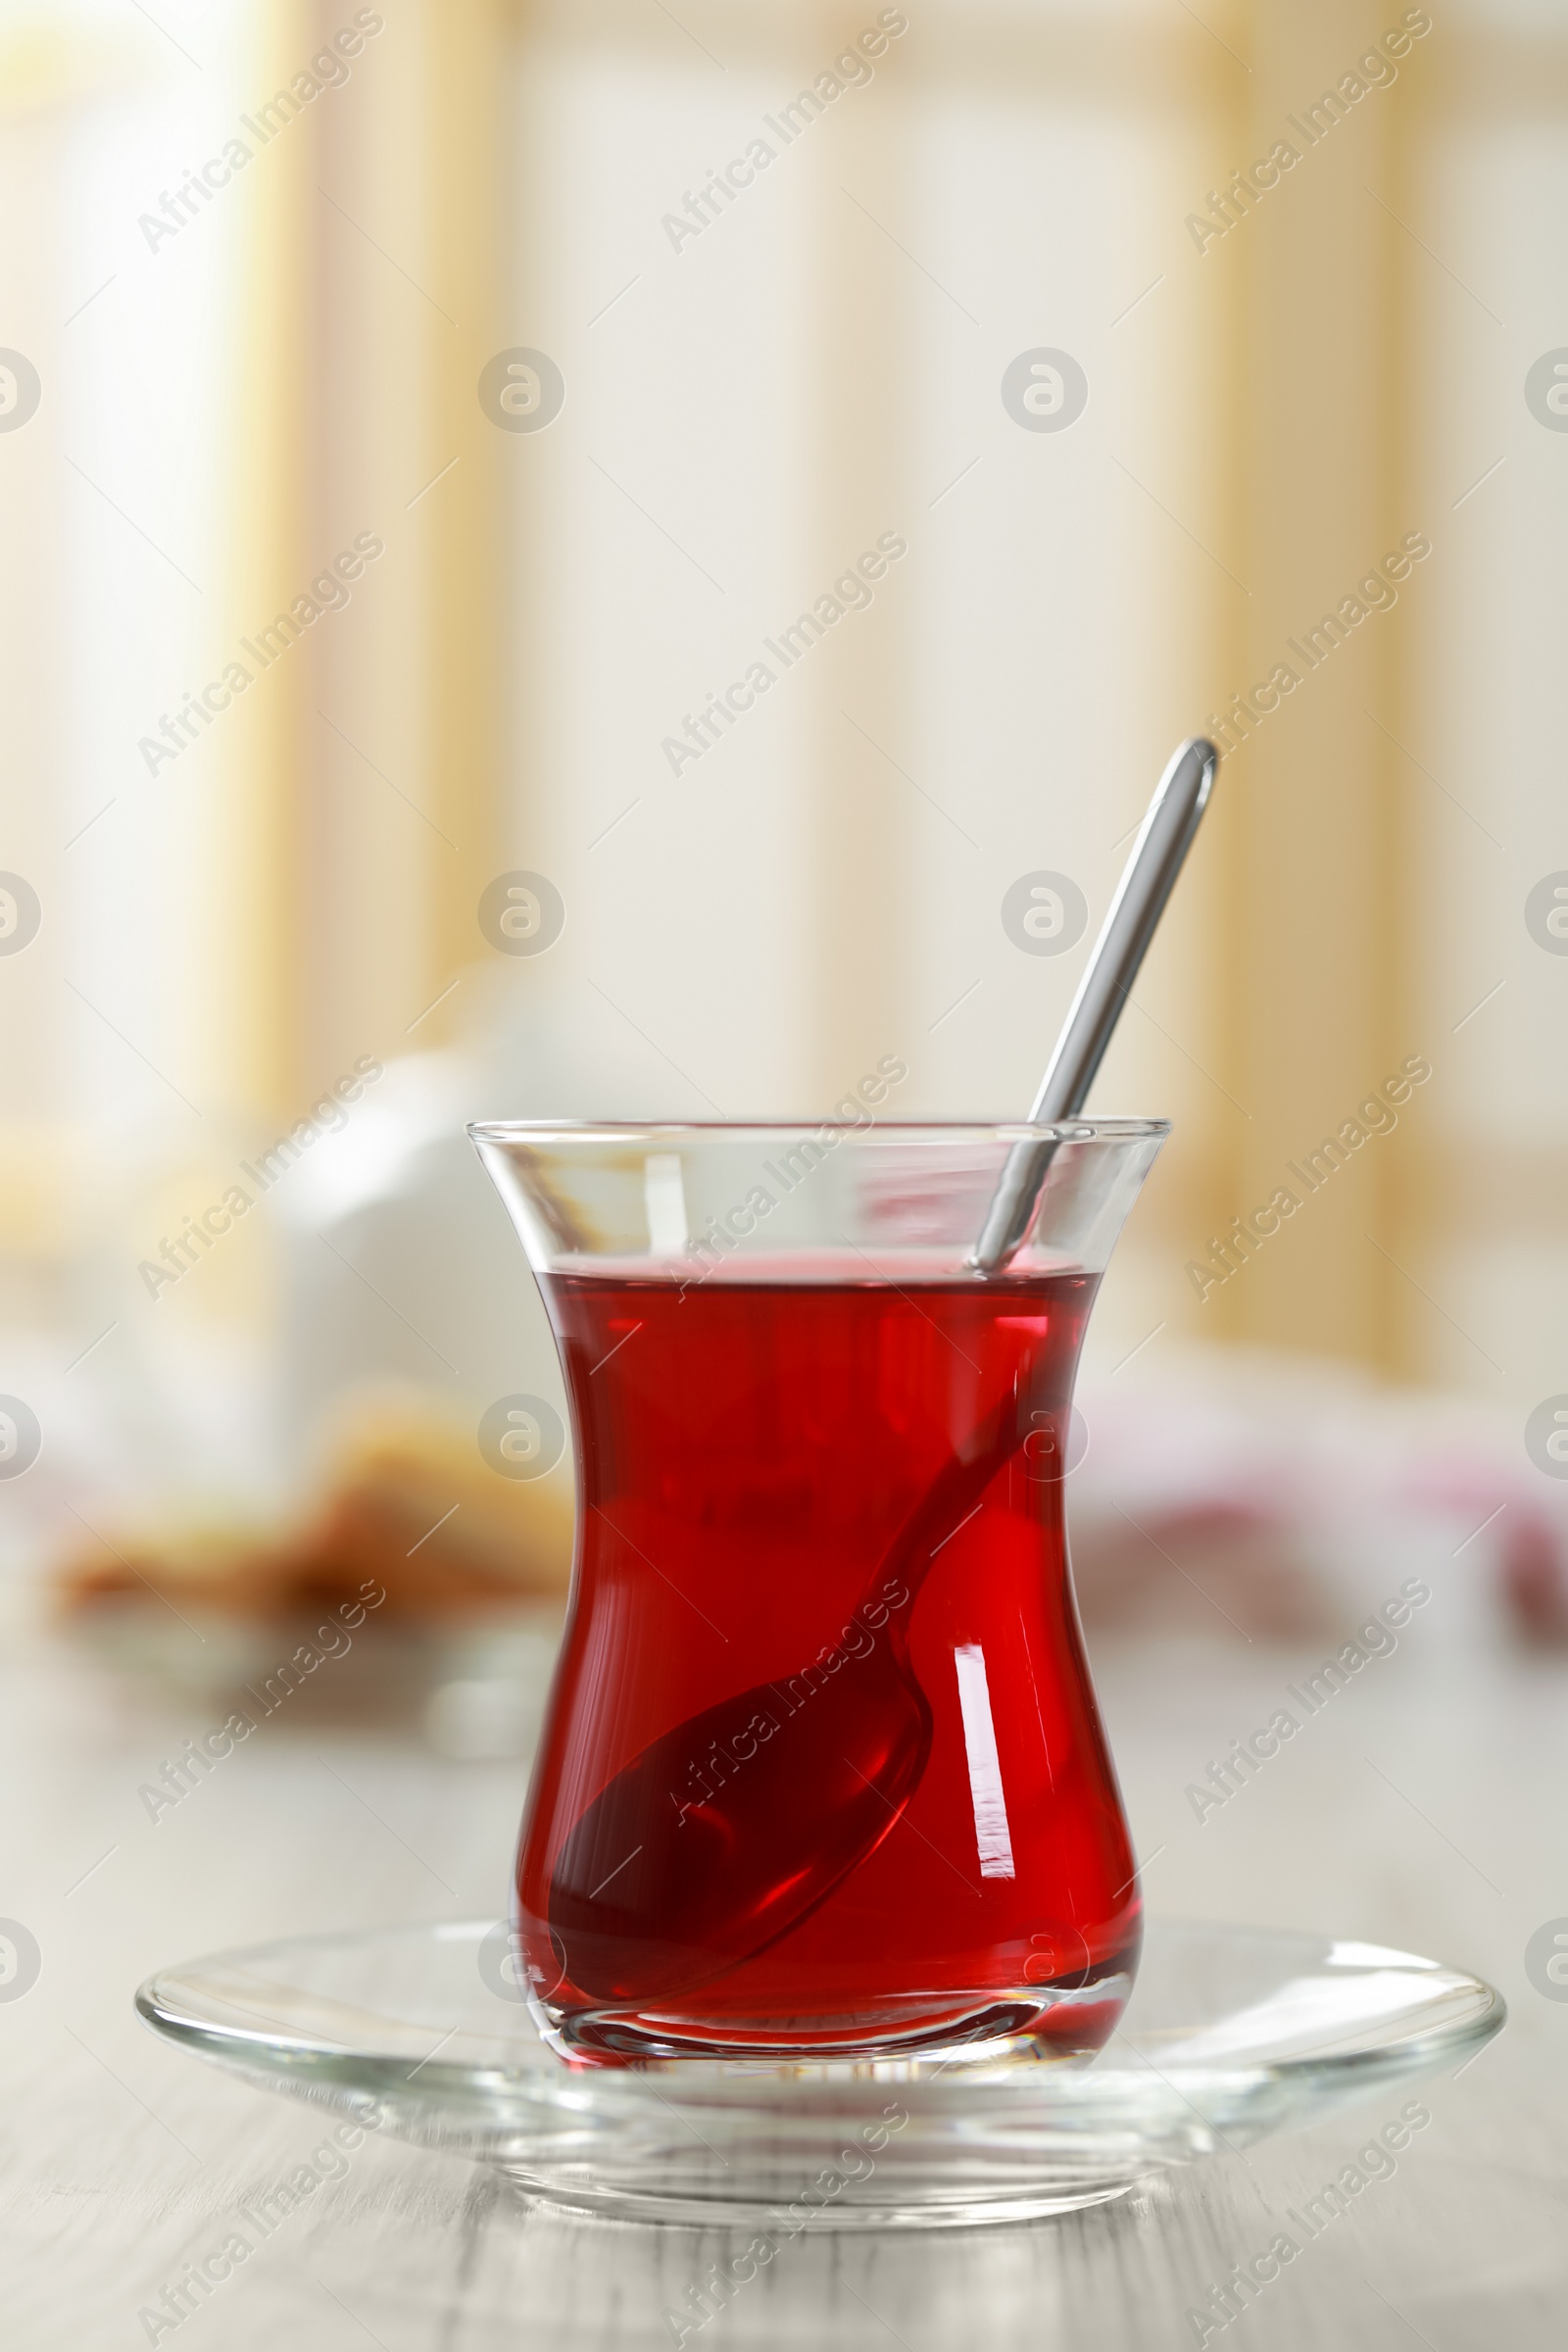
pixel 822 1776
pixel 1233 2034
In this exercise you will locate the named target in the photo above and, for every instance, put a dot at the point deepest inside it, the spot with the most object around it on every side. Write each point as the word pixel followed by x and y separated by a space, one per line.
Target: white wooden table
pixel 1424 1809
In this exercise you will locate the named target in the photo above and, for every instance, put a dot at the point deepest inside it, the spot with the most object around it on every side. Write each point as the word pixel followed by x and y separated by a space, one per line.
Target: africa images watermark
pixel 1375 71
pixel 720 2282
pixel 1376 1638
pixel 1246 2283
pixel 328 1114
pixel 850 593
pixel 198 1759
pixel 723 1762
pixel 854 1111
pixel 1374 594
pixel 1228 1254
pixel 327 70
pixel 328 593
pixel 253 2223
pixel 851 71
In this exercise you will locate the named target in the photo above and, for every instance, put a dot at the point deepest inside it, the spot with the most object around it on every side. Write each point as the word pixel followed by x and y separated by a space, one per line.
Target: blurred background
pixel 414 419
pixel 411 419
pixel 269 268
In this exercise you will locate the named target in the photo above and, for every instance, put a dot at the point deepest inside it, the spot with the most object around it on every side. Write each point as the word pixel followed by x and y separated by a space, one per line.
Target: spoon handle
pixel 1163 840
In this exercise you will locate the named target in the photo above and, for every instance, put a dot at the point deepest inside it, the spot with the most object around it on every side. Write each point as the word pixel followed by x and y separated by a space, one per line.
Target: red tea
pixel 824 1771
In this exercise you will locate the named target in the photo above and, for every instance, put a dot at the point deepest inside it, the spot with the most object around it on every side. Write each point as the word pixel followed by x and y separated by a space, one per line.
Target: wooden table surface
pixel 1424 1808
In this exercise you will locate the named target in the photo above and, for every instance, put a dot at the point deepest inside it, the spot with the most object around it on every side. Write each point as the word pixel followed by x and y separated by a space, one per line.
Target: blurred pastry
pixel 407 1503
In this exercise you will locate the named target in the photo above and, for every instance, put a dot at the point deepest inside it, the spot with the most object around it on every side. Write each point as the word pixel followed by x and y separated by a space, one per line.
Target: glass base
pixel 1004 2025
pixel 1231 2033
pixel 807 2203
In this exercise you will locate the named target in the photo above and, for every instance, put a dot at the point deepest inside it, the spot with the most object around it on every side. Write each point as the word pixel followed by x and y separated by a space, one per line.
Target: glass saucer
pixel 1232 2033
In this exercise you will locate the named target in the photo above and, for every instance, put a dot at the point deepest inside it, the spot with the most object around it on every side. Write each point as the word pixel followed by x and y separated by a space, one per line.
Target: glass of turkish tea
pixel 822 1776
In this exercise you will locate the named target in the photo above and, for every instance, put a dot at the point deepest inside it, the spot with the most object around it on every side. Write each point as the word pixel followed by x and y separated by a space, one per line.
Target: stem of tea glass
pixel 693 1907
pixel 1163 840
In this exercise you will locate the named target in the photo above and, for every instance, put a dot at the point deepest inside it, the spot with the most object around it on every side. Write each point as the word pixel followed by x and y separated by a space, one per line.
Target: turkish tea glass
pixel 822 1776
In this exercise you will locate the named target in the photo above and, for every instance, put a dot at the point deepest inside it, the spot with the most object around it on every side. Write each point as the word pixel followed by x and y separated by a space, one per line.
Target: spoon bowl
pixel 657 1888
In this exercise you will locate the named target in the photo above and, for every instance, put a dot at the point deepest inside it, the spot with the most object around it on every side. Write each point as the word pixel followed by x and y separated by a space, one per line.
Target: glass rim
pixel 998 1131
